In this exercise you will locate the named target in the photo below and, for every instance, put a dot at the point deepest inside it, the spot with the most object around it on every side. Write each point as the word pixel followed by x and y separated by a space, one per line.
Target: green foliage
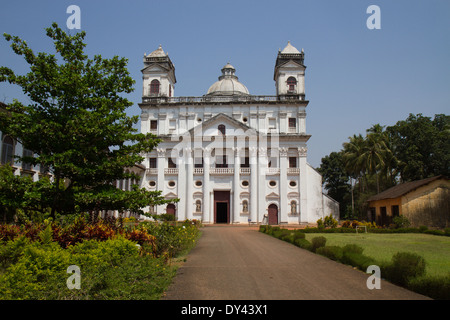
pixel 330 222
pixel 79 105
pixel 412 149
pixel 352 254
pixel 404 266
pixel 303 243
pixel 401 222
pixel 116 267
pixel 331 252
pixel 422 146
pixel 318 242
pixel 432 286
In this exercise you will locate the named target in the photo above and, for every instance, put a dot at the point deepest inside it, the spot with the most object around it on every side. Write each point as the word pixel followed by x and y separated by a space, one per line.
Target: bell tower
pixel 158 75
pixel 289 74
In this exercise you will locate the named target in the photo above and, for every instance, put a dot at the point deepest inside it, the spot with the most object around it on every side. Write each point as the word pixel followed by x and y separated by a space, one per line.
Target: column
pixel 181 206
pixel 189 182
pixel 206 185
pixel 236 186
pixel 262 170
pixel 253 184
pixel 303 205
pixel 160 164
pixel 283 185
pixel 302 122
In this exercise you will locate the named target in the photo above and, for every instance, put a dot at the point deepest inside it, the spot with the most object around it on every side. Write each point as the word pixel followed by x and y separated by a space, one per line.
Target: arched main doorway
pixel 171 209
pixel 273 214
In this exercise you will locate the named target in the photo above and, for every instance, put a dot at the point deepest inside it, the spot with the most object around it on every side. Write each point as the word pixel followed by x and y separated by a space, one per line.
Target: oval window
pixel 292 183
pixel 171 183
pixel 272 183
pixel 198 183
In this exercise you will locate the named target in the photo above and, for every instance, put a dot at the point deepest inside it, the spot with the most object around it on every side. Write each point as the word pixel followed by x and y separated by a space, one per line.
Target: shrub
pixel 331 252
pixel 353 248
pixel 352 254
pixel 320 224
pixel 434 287
pixel 298 235
pixel 317 242
pixel 401 222
pixel 330 222
pixel 357 260
pixel 303 243
pixel 404 267
pixel 346 224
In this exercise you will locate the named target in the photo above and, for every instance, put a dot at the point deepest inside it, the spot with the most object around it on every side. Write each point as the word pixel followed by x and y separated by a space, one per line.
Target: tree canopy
pixel 76 123
pixel 412 149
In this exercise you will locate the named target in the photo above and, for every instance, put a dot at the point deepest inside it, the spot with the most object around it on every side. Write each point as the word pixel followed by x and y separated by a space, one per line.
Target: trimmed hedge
pixel 406 269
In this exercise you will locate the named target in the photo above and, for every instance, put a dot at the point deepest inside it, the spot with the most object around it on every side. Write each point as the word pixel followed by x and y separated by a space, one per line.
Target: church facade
pixel 229 156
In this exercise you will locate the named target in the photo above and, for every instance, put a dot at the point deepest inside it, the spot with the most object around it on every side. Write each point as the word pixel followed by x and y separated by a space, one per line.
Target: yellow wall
pixel 428 205
pixel 388 203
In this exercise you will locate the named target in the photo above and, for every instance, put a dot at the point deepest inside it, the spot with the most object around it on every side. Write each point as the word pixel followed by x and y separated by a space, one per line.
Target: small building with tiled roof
pixel 423 202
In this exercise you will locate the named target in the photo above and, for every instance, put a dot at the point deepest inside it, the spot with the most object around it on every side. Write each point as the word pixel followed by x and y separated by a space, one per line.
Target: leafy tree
pixel 76 123
pixel 421 146
pixel 335 178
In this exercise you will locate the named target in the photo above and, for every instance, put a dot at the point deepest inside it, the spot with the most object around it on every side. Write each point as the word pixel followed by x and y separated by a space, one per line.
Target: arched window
pixel 154 87
pixel 291 82
pixel 221 129
pixel 7 150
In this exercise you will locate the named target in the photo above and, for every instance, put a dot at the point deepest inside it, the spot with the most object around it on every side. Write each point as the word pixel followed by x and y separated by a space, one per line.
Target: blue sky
pixel 355 77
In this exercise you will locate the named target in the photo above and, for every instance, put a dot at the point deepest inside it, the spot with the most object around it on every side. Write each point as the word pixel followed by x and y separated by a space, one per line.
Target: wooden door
pixel 273 214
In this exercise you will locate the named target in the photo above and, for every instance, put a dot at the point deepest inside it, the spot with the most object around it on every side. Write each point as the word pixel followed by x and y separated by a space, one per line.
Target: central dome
pixel 228 84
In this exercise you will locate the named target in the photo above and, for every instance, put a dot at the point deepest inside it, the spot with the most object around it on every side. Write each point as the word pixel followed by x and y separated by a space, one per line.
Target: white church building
pixel 229 156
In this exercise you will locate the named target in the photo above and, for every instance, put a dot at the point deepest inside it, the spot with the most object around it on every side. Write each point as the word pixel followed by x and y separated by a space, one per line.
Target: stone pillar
pixel 283 185
pixel 253 184
pixel 189 182
pixel 303 183
pixel 262 171
pixel 181 185
pixel 302 122
pixel 160 164
pixel 236 185
pixel 206 185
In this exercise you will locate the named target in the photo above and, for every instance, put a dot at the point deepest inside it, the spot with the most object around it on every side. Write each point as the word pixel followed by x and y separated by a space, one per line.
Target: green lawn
pixel 434 249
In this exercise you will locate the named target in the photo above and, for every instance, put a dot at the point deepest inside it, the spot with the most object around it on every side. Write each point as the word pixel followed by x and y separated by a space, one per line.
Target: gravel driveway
pixel 240 263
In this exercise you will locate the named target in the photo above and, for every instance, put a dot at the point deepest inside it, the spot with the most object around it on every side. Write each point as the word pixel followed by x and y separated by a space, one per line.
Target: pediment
pixel 170 195
pixel 232 127
pixel 154 68
pixel 272 195
pixel 291 64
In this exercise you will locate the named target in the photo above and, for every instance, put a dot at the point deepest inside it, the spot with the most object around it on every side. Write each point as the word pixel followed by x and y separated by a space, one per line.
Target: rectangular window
pixel 153 124
pixel 221 161
pixel 292 162
pixel 172 164
pixel 152 162
pixel 246 163
pixel 27 153
pixel 395 211
pixel 292 123
pixel 198 163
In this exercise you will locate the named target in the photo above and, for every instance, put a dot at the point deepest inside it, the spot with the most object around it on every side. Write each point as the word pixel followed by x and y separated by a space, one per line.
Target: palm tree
pixel 353 161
